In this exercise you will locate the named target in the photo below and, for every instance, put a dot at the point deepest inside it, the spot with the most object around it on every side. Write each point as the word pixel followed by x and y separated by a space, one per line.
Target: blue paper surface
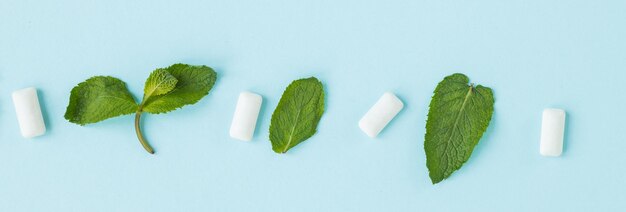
pixel 534 54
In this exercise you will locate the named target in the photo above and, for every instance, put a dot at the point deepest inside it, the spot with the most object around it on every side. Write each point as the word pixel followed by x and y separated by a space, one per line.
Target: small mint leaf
pixel 159 82
pixel 194 82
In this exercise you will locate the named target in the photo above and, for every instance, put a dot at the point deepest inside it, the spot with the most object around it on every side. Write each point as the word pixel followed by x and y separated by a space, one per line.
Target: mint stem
pixel 142 140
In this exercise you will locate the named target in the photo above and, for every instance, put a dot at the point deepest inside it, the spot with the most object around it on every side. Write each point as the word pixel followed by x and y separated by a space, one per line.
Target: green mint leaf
pixel 159 82
pixel 297 114
pixel 194 82
pixel 99 98
pixel 458 116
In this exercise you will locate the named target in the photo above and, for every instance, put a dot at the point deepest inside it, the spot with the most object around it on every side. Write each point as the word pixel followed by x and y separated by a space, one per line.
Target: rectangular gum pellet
pixel 385 109
pixel 552 132
pixel 28 112
pixel 246 115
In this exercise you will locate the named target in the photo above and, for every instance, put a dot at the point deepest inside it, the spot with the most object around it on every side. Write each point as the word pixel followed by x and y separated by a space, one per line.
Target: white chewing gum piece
pixel 552 132
pixel 385 109
pixel 28 112
pixel 246 115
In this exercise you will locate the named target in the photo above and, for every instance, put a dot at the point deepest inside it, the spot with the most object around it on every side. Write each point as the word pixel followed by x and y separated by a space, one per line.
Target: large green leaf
pixel 99 98
pixel 297 114
pixel 194 82
pixel 459 115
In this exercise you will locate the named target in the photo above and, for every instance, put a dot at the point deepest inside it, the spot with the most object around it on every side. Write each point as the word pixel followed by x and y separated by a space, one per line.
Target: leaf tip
pixel 434 181
pixel 277 151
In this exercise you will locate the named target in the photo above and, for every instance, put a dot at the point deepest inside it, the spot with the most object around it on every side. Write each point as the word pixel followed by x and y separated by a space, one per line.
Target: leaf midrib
pixel 296 124
pixel 458 116
pixel 292 130
pixel 456 121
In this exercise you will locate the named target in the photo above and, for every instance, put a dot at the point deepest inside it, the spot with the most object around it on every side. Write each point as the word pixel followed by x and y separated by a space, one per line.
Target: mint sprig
pixel 166 89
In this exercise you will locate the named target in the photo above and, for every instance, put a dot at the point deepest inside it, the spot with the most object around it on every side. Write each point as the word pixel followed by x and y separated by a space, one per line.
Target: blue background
pixel 534 54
